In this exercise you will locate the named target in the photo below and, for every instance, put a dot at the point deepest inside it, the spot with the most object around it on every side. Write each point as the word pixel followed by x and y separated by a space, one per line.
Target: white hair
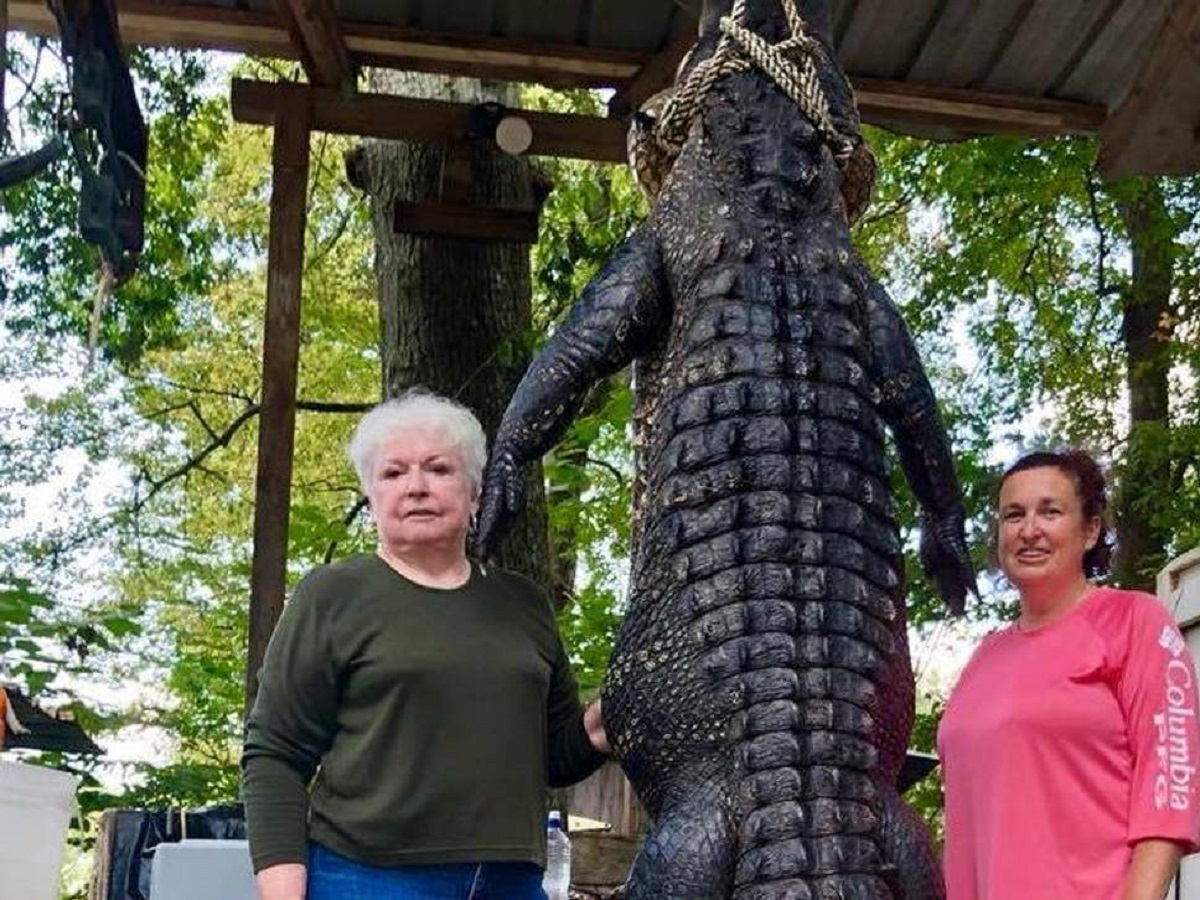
pixel 419 408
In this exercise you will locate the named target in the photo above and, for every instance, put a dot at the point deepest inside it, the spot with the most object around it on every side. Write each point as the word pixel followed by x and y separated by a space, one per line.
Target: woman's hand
pixel 1151 870
pixel 285 881
pixel 593 724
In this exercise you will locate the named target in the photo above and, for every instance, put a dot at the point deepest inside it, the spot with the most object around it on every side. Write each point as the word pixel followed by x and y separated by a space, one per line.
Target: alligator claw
pixel 501 499
pixel 945 558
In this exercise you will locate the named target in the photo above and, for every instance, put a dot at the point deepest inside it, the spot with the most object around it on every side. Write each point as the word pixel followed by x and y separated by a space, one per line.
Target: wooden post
pixel 3 57
pixel 281 350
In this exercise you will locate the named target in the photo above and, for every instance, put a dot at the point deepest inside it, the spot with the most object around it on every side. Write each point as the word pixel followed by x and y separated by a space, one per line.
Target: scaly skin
pixel 760 696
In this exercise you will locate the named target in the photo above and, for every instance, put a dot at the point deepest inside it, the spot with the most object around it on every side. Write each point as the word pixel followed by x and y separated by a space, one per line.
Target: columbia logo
pixel 1171 640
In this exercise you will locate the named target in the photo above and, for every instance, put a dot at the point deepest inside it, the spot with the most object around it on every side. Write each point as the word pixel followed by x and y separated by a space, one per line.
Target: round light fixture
pixel 513 135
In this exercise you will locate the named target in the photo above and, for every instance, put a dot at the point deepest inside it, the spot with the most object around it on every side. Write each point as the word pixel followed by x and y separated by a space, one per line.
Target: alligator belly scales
pixel 760 695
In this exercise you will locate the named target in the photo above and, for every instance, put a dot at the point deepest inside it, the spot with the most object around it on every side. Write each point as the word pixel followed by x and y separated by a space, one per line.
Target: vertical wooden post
pixel 281 349
pixel 3 57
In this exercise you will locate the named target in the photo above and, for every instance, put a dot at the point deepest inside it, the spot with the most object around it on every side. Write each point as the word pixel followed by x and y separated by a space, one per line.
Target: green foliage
pixel 22 632
pixel 926 796
pixel 1025 246
pixel 590 211
pixel 141 577
pixel 51 287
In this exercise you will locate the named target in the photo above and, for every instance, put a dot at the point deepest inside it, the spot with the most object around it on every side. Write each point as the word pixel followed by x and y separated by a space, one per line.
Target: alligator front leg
pixel 907 404
pixel 619 315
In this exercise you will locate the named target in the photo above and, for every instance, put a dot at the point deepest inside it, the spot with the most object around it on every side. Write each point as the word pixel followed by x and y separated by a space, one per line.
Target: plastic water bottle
pixel 556 882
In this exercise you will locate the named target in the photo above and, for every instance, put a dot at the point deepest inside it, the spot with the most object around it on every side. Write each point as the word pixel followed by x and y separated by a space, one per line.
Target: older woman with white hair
pixel 430 697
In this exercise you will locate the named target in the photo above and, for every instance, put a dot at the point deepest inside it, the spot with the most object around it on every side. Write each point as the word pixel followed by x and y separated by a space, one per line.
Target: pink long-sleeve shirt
pixel 1064 746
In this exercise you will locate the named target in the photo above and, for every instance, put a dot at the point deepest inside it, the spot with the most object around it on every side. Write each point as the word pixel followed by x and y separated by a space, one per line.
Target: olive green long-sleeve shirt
pixel 432 719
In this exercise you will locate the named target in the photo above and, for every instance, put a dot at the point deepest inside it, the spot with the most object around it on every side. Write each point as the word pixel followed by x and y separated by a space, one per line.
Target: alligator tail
pixel 807 759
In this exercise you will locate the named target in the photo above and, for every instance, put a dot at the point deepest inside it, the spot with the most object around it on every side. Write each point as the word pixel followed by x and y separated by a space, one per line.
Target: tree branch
pixel 1093 190
pixel 327 406
pixel 212 392
pixel 607 466
pixel 349 517
pixel 155 486
pixel 195 408
pixel 221 440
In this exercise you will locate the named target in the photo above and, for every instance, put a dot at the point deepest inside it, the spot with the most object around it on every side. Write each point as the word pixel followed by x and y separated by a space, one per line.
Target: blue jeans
pixel 332 876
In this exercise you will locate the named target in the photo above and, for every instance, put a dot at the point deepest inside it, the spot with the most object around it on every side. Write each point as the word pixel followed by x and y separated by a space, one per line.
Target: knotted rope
pixel 790 63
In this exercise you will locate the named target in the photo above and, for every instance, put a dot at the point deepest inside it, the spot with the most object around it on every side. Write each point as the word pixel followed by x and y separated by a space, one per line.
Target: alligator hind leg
pixel 688 854
pixel 908 849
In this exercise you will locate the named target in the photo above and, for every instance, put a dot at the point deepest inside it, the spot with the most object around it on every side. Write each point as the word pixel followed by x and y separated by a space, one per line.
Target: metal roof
pixel 41 731
pixel 1128 69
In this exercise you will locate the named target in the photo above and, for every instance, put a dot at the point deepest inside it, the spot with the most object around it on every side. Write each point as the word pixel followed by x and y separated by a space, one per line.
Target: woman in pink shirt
pixel 1069 746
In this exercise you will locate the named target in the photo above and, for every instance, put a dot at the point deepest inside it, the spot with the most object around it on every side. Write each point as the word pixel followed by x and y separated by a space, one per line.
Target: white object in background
pixel 202 870
pixel 36 805
pixel 556 882
pixel 513 135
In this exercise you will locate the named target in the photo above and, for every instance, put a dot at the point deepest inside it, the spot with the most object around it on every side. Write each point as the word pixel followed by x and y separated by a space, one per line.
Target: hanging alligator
pixel 759 695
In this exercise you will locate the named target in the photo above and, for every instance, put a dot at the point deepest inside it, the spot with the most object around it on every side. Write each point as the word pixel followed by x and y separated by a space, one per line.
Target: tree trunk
pixel 1145 475
pixel 455 313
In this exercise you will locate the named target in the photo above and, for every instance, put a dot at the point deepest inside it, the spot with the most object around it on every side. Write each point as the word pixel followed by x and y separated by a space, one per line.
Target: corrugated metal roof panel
pixel 1052 34
pixel 883 37
pixel 458 16
pixel 556 21
pixel 1020 46
pixel 1107 70
pixel 393 12
pixel 1090 51
pixel 962 43
pixel 629 24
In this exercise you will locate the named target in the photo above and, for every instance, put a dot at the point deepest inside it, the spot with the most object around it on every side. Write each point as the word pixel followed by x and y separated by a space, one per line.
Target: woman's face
pixel 420 493
pixel 1043 532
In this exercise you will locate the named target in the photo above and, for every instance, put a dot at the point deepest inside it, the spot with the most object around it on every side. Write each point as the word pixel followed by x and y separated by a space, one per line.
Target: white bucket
pixel 36 805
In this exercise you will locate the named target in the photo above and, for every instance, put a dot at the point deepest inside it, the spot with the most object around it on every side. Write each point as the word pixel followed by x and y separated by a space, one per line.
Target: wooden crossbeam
pixel 159 25
pixel 465 220
pixel 1156 128
pixel 313 26
pixel 406 119
pixel 973 112
pixel 556 65
pixel 150 23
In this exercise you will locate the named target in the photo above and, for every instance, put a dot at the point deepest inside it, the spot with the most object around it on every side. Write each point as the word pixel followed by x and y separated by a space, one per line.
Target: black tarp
pixel 135 834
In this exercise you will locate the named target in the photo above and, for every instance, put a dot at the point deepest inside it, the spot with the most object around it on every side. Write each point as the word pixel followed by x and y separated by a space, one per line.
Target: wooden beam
pixel 281 352
pixel 1156 128
pixel 432 218
pixel 557 65
pixel 313 26
pixel 405 119
pixel 897 103
pixel 159 25
pixel 656 74
pixel 146 22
